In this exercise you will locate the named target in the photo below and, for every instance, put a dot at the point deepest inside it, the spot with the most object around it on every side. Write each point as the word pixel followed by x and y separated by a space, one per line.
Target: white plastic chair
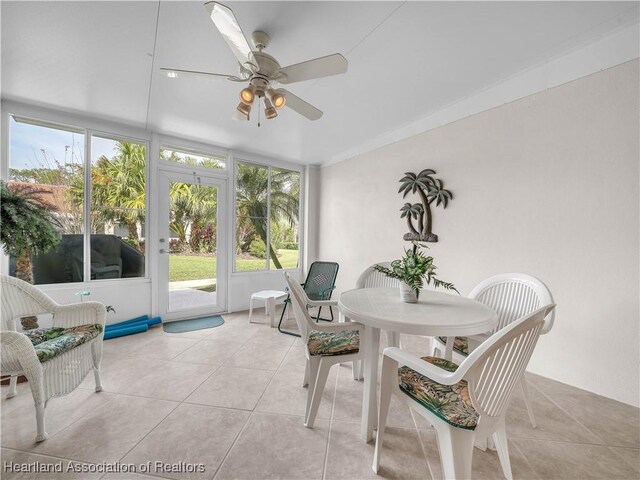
pixel 510 295
pixel 61 374
pixel 325 346
pixel 371 278
pixel 467 401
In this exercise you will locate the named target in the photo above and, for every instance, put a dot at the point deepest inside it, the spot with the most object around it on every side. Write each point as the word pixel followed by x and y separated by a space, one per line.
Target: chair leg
pixel 456 451
pixel 41 432
pixel 502 446
pixel 393 339
pixel 96 374
pixel 318 317
pixel 13 386
pixel 331 312
pixel 527 401
pixel 305 382
pixel 318 388
pixel 314 365
pixel 284 309
pixel 389 376
pixel 250 309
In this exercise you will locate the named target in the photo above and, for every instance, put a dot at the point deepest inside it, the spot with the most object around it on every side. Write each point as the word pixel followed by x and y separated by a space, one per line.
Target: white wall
pixel 546 185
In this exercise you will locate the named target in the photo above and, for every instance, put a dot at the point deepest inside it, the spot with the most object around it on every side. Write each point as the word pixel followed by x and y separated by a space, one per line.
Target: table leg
pixel 271 302
pixel 448 349
pixel 370 395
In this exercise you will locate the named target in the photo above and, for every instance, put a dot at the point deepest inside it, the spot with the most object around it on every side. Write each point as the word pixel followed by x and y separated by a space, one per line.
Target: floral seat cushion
pixel 460 345
pixel 451 403
pixel 51 342
pixel 334 343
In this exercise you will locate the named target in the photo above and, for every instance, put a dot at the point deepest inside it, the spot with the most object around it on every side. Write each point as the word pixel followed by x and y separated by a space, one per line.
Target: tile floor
pixel 230 399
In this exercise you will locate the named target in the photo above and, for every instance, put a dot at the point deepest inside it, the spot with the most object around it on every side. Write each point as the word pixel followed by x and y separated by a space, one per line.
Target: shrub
pixel 289 246
pixel 258 248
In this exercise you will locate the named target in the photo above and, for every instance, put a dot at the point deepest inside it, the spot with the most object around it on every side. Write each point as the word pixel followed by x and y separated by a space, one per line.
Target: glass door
pixel 192 245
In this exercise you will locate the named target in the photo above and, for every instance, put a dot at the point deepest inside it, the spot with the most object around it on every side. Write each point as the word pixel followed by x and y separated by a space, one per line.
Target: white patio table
pixel 435 314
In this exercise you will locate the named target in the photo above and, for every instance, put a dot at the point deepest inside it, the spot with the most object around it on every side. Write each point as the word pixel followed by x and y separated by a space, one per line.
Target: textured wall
pixel 546 185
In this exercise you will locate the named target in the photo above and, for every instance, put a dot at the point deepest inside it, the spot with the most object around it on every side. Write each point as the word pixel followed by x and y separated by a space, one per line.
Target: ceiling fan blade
pixel 176 73
pixel 317 68
pixel 297 104
pixel 226 22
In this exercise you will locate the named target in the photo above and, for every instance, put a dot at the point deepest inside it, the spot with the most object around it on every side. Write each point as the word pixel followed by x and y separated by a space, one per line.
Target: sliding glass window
pixel 267 217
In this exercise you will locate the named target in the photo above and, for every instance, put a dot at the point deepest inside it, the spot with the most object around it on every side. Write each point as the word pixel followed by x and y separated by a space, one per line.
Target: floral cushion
pixel 334 343
pixel 451 403
pixel 460 345
pixel 51 342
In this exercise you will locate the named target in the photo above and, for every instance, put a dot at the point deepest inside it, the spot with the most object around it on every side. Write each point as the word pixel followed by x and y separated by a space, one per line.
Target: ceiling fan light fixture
pixel 278 99
pixel 247 95
pixel 269 111
pixel 244 109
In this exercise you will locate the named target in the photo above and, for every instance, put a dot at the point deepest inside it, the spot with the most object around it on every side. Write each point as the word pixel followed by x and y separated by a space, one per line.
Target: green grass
pixel 198 267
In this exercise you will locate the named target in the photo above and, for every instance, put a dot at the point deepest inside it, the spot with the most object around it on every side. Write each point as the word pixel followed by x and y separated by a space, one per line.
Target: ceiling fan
pixel 262 71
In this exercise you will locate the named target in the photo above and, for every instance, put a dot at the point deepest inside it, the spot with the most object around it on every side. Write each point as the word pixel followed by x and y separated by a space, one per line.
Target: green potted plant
pixel 414 270
pixel 27 225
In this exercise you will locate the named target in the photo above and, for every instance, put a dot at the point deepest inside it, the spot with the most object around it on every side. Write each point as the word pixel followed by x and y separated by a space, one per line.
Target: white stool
pixel 270 297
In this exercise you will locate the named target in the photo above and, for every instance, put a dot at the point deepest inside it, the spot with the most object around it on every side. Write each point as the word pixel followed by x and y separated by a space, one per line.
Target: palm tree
pixel 412 211
pixel 429 189
pixel 28 225
pixel 252 195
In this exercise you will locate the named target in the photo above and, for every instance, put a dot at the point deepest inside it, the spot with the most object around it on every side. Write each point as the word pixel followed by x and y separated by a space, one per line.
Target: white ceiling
pixel 406 59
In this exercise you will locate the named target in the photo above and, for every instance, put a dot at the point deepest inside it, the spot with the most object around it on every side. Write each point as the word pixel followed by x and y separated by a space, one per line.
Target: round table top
pixel 435 313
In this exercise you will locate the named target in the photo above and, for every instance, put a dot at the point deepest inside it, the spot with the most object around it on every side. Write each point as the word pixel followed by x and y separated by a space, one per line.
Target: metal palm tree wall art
pixel 429 189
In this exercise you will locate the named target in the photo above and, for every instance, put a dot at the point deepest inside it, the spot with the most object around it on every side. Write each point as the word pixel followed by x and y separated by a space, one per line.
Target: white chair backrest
pixel 372 279
pixel 19 299
pixel 513 295
pixel 299 301
pixel 498 364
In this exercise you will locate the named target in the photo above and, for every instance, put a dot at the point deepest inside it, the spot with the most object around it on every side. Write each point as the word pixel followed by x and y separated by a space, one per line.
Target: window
pixel 118 213
pixel 97 205
pixel 192 158
pixel 267 212
pixel 47 166
pixel 285 207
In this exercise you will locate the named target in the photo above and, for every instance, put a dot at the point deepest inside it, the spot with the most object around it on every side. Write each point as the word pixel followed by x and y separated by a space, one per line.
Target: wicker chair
pixel 52 369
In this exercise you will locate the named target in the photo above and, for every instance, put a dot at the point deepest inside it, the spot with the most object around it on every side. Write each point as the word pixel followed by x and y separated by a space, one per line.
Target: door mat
pixel 193 324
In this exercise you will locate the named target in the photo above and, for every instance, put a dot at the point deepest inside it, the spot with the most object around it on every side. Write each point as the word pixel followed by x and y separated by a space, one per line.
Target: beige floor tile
pixel 271 336
pixel 233 388
pixel 485 465
pixel 237 332
pixel 258 356
pixel 164 347
pixel 348 402
pixel 552 387
pixel 209 352
pixel 48 468
pixel 129 344
pixel 553 423
pixel 169 381
pixel 616 423
pixel 631 456
pixel 118 372
pixel 555 460
pixel 128 476
pixel 19 416
pixel 350 457
pixel 280 447
pixel 110 431
pixel 285 394
pixel 193 434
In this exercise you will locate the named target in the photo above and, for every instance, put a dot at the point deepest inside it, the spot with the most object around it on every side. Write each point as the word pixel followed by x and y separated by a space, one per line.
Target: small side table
pixel 269 297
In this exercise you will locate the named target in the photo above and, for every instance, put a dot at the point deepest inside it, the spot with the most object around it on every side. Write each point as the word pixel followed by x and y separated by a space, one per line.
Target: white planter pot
pixel 407 294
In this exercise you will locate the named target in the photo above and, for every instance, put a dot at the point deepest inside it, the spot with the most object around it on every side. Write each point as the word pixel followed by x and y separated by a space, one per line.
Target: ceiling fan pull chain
pixel 259 98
